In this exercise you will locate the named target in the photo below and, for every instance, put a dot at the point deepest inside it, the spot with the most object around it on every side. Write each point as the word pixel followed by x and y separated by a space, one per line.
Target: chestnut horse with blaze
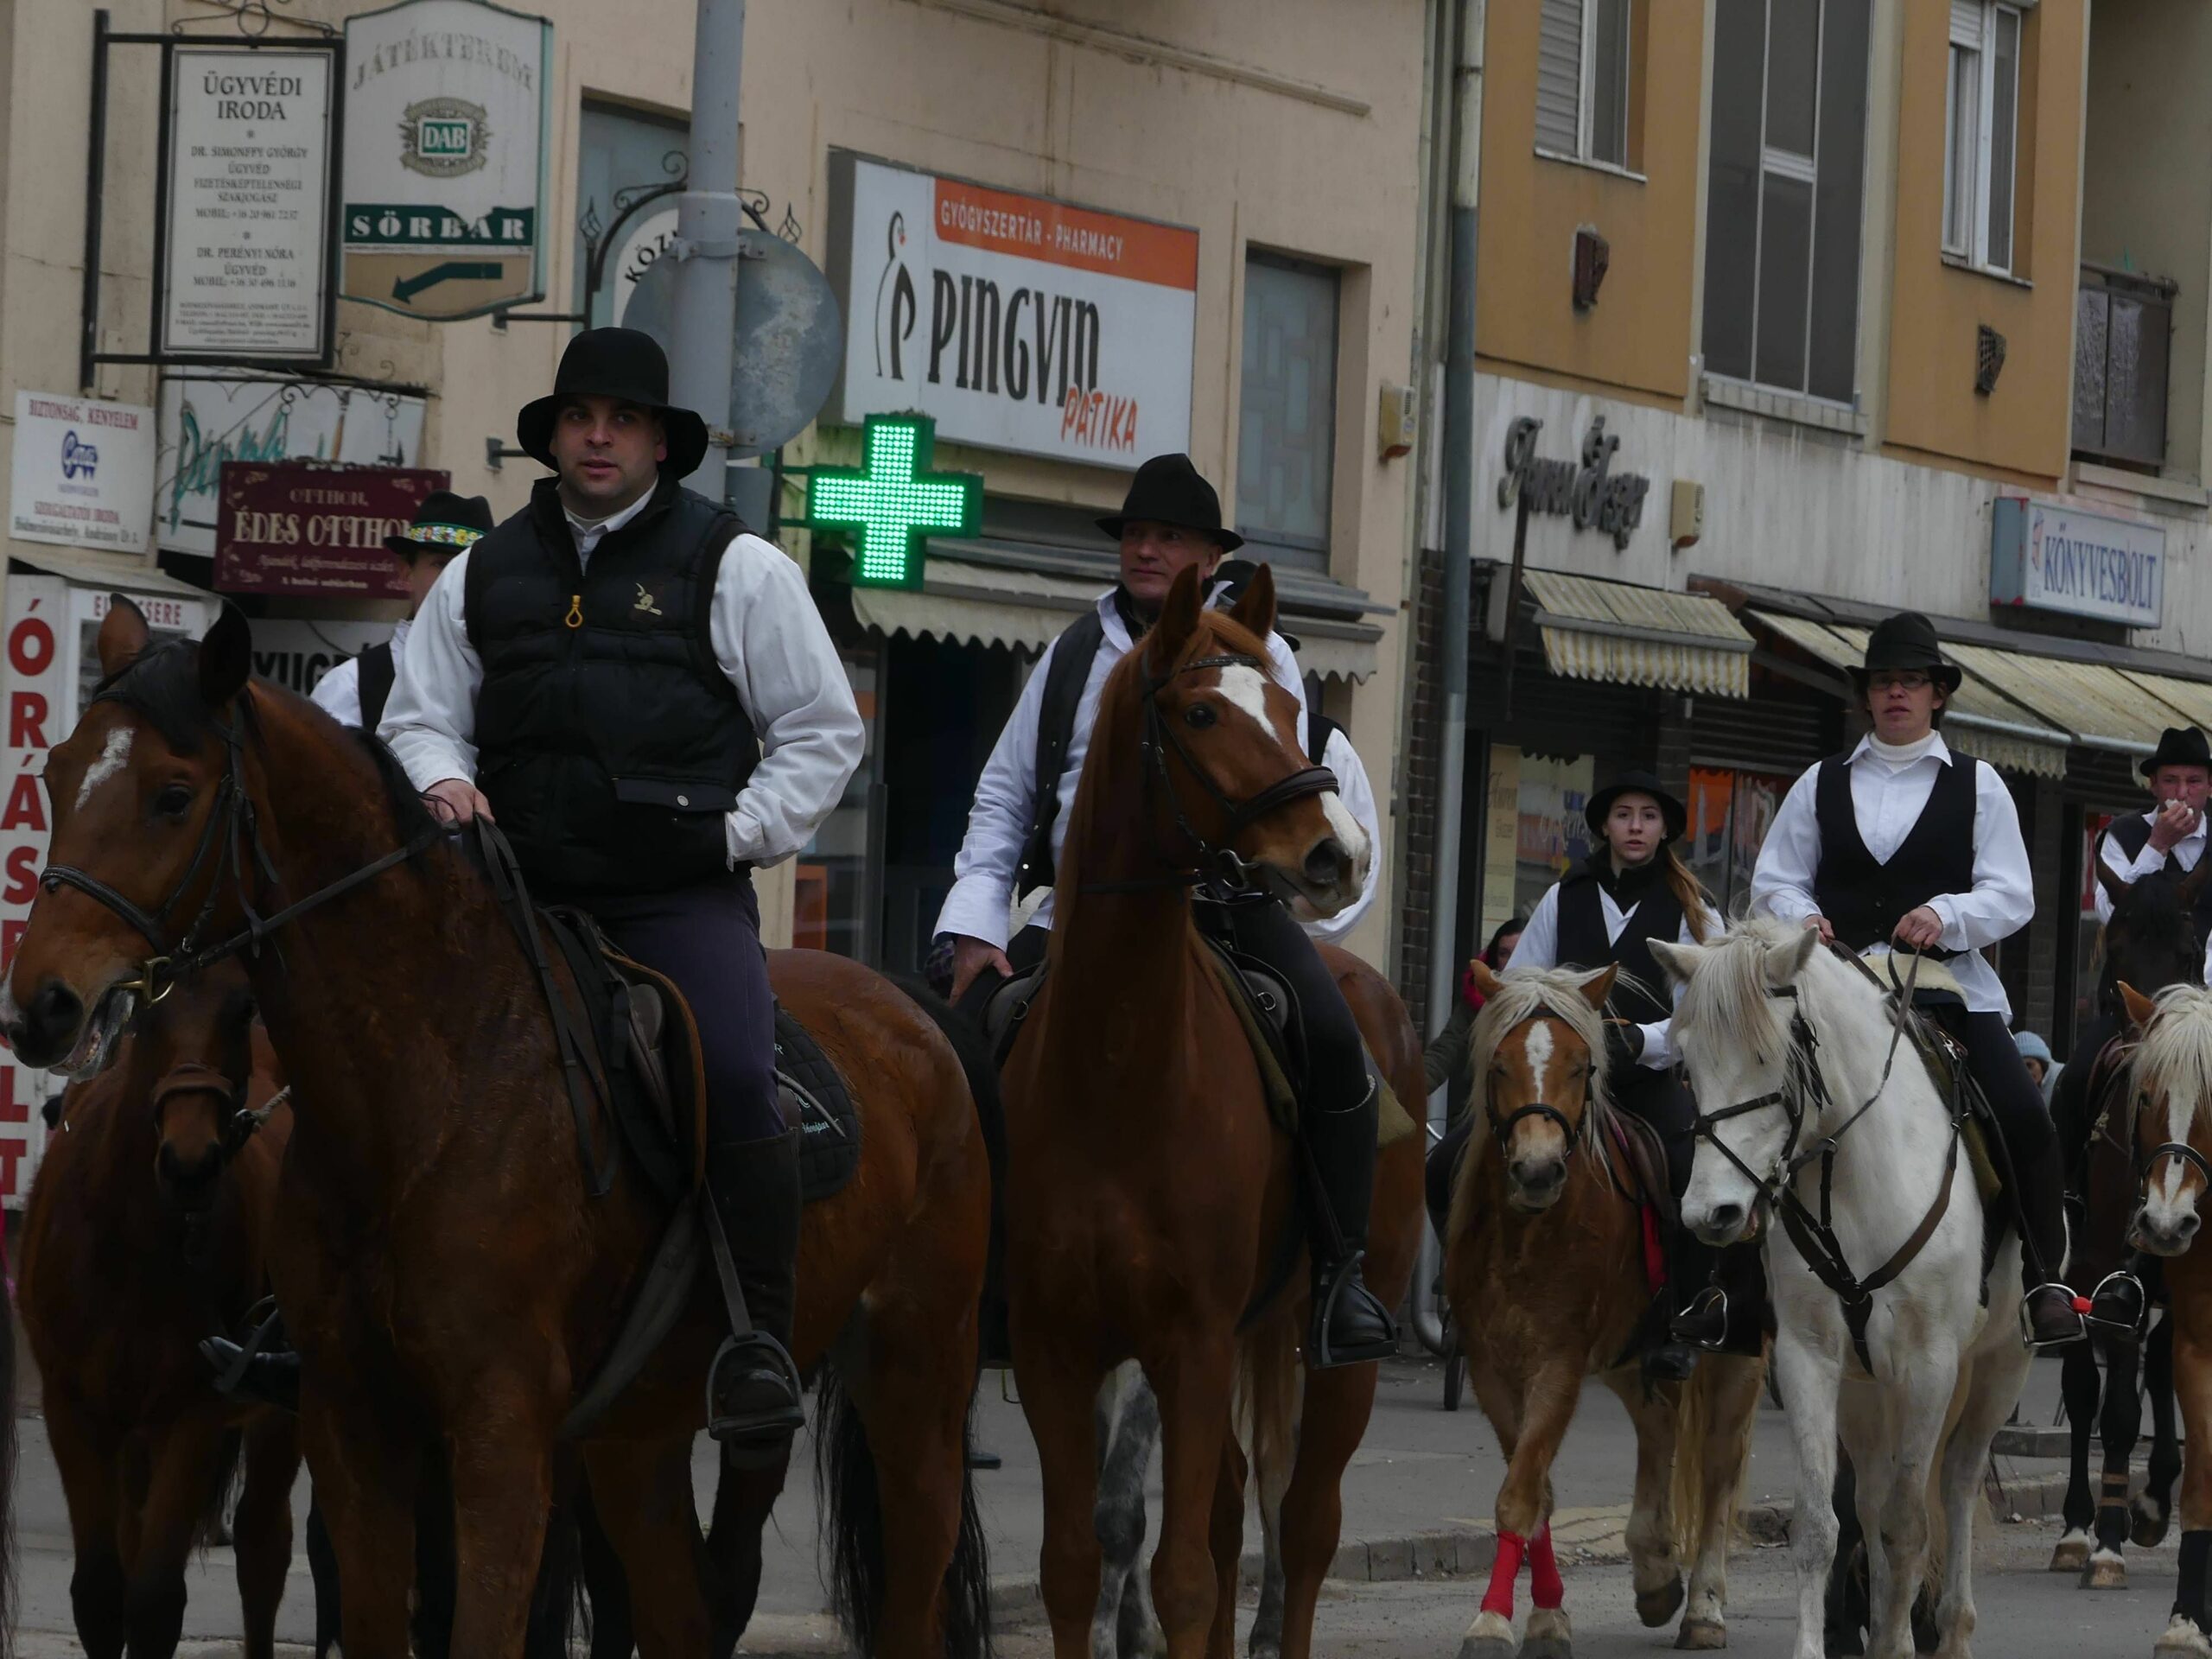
pixel 443 1270
pixel 146 1230
pixel 1151 1192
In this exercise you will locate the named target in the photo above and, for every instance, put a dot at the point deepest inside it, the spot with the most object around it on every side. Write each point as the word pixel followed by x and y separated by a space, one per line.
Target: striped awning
pixel 1626 635
pixel 2101 707
pixel 1978 719
pixel 977 604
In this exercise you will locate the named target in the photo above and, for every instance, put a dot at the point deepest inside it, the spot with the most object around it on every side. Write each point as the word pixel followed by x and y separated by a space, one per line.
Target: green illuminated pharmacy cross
pixel 893 499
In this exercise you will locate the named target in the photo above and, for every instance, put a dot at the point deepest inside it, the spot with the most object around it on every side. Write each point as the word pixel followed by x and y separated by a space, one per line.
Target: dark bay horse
pixel 147 1229
pixel 1150 1193
pixel 447 1277
pixel 2149 943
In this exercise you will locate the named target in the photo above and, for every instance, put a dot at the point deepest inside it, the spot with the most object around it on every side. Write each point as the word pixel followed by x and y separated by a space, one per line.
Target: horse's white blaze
pixel 115 755
pixel 1346 828
pixel 1246 690
pixel 1536 1047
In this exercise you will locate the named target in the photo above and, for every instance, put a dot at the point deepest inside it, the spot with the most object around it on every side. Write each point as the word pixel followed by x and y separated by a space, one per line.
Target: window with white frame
pixel 1979 135
pixel 1582 80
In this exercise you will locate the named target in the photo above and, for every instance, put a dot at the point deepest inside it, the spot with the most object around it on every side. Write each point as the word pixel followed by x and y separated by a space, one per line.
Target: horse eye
pixel 175 800
pixel 1201 715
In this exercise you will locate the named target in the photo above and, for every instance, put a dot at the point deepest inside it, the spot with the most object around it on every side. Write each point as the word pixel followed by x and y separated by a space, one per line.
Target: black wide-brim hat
pixel 1906 643
pixel 2179 746
pixel 620 363
pixel 1671 809
pixel 445 523
pixel 1169 490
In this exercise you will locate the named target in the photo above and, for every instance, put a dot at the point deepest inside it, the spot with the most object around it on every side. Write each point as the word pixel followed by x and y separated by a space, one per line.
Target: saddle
pixel 1936 986
pixel 1635 1159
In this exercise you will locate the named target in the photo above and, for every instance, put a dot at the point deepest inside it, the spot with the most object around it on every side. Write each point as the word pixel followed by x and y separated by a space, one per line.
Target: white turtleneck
pixel 1898 756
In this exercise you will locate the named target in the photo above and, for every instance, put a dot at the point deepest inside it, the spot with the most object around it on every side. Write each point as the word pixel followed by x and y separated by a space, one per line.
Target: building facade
pixel 1789 316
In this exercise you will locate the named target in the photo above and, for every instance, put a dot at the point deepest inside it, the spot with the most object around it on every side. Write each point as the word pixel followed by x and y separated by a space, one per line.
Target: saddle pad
pixel 1892 968
pixel 817 1103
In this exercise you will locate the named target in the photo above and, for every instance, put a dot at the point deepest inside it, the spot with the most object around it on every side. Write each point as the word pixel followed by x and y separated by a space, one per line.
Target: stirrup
pixel 1321 1353
pixel 2081 1307
pixel 756 1358
pixel 2121 1282
pixel 1692 1325
pixel 248 1370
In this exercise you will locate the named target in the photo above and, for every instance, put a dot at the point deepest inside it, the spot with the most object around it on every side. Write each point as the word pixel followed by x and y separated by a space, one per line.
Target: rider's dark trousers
pixel 1663 1101
pixel 1995 1061
pixel 1335 1067
pixel 706 938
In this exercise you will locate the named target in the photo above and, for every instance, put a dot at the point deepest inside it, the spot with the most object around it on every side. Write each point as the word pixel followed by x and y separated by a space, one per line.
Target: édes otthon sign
pixel 441 202
pixel 1016 322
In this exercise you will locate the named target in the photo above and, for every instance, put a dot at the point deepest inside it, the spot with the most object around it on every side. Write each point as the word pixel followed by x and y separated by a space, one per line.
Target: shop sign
pixel 51 664
pixel 296 653
pixel 246 236
pixel 83 472
pixel 303 530
pixel 204 420
pixel 2052 557
pixel 443 196
pixel 1018 322
pixel 1592 493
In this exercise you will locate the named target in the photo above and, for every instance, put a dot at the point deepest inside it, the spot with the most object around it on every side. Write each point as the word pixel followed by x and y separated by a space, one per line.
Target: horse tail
pixel 230 1476
pixel 1698 1432
pixel 851 1506
pixel 1269 1388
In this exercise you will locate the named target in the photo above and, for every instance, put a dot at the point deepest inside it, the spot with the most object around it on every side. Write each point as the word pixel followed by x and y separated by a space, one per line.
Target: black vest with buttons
pixel 610 743
pixel 1583 944
pixel 2131 835
pixel 1863 900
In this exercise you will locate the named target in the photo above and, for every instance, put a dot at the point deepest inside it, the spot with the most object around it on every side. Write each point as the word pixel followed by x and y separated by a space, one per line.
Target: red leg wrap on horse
pixel 1511 1547
pixel 1545 1588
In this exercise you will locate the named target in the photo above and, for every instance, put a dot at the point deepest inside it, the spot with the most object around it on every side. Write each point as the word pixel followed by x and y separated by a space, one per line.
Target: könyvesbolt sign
pixel 442 200
pixel 2063 558
pixel 245 237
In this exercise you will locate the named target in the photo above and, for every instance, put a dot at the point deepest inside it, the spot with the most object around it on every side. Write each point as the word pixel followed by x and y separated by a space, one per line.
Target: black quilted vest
pixel 1582 942
pixel 376 671
pixel 1865 901
pixel 610 741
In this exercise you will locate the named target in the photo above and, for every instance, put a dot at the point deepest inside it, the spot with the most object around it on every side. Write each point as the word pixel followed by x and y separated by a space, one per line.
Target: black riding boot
pixel 752 1389
pixel 1350 1326
pixel 263 1368
pixel 2051 1316
pixel 1696 1322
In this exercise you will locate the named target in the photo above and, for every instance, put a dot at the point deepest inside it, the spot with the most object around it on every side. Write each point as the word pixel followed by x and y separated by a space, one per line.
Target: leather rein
pixel 1214 865
pixel 229 843
pixel 1804 1097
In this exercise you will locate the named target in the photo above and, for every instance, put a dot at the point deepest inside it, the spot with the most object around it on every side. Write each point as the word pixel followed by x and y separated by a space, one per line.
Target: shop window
pixel 1981 126
pixel 1785 193
pixel 1534 834
pixel 1730 815
pixel 624 150
pixel 2089 935
pixel 1583 54
pixel 1286 412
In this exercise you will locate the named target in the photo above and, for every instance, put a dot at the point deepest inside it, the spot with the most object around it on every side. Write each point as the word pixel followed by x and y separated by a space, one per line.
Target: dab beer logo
pixel 443 137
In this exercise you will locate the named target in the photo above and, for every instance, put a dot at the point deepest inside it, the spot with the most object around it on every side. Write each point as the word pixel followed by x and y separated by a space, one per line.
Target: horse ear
pixel 1785 961
pixel 226 659
pixel 2140 1008
pixel 1178 619
pixel 124 635
pixel 1599 985
pixel 1485 978
pixel 1256 606
pixel 1677 961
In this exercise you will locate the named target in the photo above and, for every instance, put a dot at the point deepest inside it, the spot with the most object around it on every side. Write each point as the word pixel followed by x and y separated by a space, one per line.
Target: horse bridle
pixel 1215 864
pixel 1502 1128
pixel 231 836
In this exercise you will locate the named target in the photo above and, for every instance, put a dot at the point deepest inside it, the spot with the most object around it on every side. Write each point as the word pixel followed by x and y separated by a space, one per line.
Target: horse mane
pixel 1524 994
pixel 161 685
pixel 2175 1055
pixel 1730 990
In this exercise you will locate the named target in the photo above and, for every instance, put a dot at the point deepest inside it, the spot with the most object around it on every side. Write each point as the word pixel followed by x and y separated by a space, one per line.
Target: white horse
pixel 1785 1042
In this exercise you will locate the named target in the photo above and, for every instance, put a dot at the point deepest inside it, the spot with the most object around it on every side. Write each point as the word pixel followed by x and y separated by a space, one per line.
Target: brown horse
pixel 446 1275
pixel 147 1230
pixel 1151 1193
pixel 1545 1263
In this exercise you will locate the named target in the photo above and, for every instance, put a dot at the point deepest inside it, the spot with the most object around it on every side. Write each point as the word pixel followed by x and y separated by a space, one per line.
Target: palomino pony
pixel 446 1273
pixel 2170 1134
pixel 2149 943
pixel 1152 1200
pixel 1804 1087
pixel 1545 1262
pixel 147 1230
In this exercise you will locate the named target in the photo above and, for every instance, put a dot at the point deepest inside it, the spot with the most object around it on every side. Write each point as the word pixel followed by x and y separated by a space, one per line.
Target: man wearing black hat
pixel 1902 841
pixel 355 691
pixel 2170 835
pixel 1171 521
pixel 644 697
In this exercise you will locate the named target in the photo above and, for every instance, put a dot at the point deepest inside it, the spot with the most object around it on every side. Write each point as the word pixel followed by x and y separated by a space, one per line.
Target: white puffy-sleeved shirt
pixel 1538 948
pixel 766 636
pixel 1889 788
pixel 981 903
pixel 338 693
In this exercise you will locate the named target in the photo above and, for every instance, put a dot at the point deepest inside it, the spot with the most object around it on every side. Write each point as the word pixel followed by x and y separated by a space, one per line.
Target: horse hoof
pixel 2182 1640
pixel 1550 1636
pixel 1658 1607
pixel 1489 1637
pixel 2072 1554
pixel 1702 1636
pixel 2104 1572
pixel 2147 1527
